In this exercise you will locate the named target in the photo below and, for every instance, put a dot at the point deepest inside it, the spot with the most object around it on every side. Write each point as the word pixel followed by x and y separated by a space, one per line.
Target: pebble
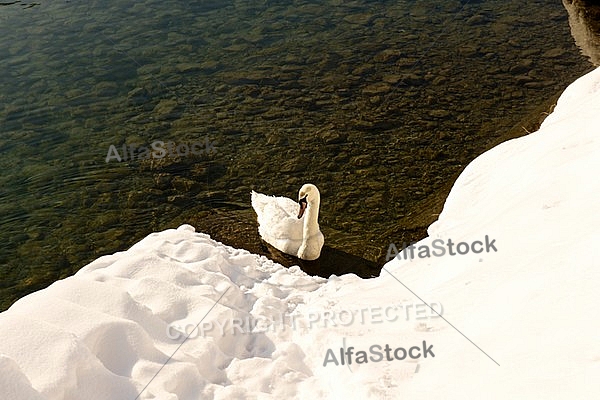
pixel 359 19
pixel 166 109
pixel 376 89
pixel 364 160
pixel 554 53
pixel 439 113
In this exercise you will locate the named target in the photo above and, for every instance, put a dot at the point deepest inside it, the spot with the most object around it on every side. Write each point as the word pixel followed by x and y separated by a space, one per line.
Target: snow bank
pixel 518 322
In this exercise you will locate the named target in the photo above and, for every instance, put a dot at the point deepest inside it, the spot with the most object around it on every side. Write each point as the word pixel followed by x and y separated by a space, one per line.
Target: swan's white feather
pixel 278 222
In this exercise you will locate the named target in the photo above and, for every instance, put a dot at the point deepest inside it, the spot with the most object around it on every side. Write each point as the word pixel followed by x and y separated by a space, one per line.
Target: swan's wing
pixel 280 207
pixel 278 221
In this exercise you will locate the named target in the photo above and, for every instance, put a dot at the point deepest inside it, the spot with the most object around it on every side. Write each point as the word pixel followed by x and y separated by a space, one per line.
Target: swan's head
pixel 308 194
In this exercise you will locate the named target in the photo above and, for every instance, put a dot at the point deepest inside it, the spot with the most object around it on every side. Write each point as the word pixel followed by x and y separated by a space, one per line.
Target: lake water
pixel 381 104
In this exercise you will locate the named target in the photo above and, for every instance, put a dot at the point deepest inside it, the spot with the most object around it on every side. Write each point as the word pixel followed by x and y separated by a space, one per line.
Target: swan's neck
pixel 311 220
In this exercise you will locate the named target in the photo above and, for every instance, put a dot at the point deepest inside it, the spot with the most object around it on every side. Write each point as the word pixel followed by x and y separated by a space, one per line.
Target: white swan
pixel 285 225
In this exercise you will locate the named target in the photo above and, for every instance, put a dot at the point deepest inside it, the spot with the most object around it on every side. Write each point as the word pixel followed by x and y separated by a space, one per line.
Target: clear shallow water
pixel 381 104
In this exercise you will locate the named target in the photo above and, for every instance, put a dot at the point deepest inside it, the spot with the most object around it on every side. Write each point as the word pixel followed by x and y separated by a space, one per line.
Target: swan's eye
pixel 303 204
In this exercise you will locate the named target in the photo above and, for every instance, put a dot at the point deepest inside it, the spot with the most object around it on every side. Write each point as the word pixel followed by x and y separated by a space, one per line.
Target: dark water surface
pixel 380 104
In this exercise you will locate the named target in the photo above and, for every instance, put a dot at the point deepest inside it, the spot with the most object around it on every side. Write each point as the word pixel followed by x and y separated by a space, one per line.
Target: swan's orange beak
pixel 303 203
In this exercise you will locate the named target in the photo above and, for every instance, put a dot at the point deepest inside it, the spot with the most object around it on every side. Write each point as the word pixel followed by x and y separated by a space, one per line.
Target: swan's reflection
pixel 331 261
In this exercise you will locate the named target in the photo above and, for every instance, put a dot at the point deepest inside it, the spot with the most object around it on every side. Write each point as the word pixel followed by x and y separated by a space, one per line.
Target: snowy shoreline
pixel 515 324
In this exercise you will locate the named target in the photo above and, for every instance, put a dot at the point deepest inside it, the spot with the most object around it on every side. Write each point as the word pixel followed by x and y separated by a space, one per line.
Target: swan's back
pixel 278 223
pixel 282 205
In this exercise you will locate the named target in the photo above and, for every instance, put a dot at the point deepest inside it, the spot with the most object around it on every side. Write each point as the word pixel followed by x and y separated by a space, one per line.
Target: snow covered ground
pixel 521 322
